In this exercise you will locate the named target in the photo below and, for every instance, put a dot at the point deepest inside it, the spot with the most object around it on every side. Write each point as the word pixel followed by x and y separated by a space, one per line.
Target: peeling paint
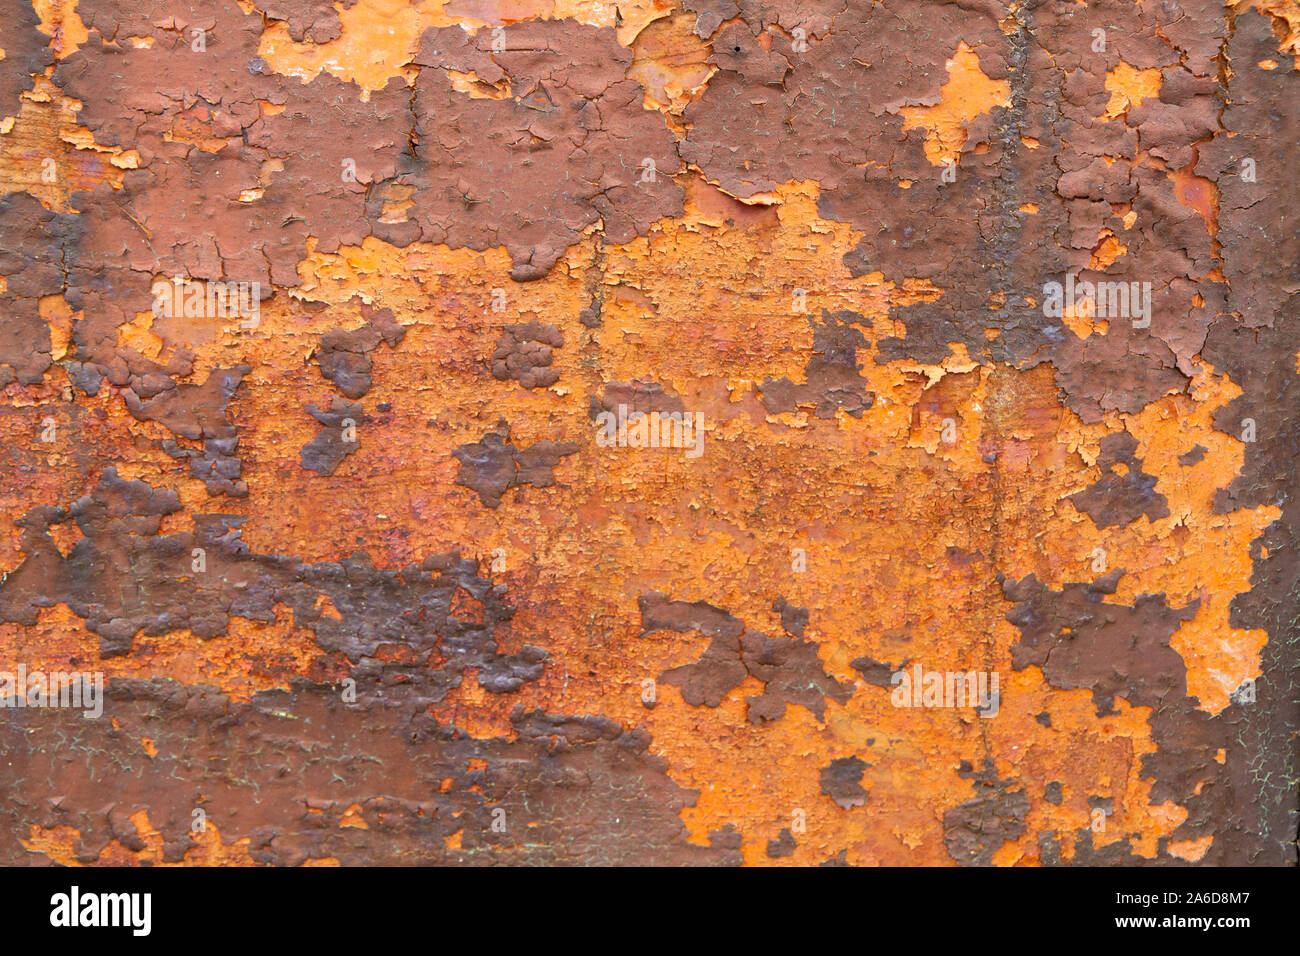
pixel 363 584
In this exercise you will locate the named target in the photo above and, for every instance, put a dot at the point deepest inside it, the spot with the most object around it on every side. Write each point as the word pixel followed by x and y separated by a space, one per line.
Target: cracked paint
pixel 366 584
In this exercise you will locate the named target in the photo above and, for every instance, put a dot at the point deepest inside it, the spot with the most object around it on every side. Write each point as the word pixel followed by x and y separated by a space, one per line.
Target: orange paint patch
pixel 1192 851
pixel 379 38
pixel 59 844
pixel 352 818
pixel 1107 251
pixel 967 94
pixel 1286 22
pixel 60 21
pixel 44 152
pixel 1129 87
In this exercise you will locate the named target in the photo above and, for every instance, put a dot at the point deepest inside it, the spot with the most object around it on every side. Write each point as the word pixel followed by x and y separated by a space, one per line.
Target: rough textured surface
pixel 636 416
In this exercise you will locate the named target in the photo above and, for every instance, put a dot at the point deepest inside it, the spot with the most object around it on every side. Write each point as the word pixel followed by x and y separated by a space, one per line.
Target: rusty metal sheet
pixel 675 432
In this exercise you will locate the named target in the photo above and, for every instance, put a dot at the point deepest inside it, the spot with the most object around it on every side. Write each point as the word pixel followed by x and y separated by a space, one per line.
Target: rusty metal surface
pixel 704 432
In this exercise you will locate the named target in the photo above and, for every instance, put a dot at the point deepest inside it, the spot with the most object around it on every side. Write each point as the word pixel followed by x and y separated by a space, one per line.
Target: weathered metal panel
pixel 764 431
